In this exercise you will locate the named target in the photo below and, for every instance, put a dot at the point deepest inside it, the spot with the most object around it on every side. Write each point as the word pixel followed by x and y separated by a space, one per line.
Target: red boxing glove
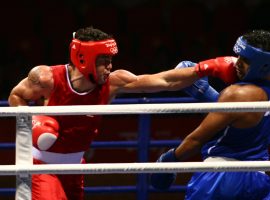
pixel 221 67
pixel 45 132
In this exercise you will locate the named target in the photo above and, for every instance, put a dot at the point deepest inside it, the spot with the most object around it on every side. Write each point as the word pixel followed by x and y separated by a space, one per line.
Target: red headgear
pixel 83 54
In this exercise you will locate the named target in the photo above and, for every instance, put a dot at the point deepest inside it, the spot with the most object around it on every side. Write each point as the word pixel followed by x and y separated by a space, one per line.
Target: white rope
pixel 261 106
pixel 132 168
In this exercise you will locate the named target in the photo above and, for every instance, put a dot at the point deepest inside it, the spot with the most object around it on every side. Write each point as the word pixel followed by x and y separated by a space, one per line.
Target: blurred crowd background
pixel 153 35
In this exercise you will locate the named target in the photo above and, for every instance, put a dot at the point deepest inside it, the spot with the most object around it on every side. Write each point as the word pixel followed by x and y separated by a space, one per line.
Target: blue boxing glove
pixel 200 90
pixel 162 181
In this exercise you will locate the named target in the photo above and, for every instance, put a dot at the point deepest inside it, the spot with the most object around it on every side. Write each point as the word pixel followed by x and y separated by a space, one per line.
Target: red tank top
pixel 77 131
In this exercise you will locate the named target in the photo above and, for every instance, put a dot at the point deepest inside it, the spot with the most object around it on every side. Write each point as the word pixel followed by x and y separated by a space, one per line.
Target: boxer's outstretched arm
pixel 36 85
pixel 123 81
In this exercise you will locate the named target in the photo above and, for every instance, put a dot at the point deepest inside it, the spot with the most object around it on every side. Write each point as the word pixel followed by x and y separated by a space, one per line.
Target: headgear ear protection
pixel 83 55
pixel 259 60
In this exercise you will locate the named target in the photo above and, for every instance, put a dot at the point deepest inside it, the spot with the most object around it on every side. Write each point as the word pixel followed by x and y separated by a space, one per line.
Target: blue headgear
pixel 259 60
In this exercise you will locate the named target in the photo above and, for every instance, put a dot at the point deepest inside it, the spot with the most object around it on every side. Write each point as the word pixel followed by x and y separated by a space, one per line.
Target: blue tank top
pixel 245 143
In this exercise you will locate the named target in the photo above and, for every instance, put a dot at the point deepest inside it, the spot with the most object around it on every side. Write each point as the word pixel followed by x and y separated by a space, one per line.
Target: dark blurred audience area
pixel 153 35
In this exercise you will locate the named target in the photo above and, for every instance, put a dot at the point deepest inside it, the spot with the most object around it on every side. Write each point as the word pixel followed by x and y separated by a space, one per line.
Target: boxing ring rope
pixel 134 168
pixel 24 166
pixel 115 144
pixel 172 108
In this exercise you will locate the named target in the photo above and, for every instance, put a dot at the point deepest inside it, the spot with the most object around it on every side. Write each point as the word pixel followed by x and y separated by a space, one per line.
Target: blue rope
pixel 115 144
pixel 107 190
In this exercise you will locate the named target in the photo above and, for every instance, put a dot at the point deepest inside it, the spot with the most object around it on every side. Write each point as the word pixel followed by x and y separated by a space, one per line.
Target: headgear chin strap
pixel 259 60
pixel 83 54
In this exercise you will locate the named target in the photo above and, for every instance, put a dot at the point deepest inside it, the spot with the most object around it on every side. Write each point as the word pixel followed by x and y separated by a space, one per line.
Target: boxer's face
pixel 242 66
pixel 103 68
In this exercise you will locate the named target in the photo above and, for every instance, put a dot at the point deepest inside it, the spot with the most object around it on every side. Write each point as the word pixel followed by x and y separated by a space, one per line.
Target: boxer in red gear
pixel 86 80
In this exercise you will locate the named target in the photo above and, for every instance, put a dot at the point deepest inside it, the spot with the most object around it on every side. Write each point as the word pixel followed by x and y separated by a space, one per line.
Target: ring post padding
pixel 23 156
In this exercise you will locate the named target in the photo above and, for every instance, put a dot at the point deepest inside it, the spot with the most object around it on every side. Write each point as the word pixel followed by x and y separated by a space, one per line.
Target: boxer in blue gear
pixel 230 136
